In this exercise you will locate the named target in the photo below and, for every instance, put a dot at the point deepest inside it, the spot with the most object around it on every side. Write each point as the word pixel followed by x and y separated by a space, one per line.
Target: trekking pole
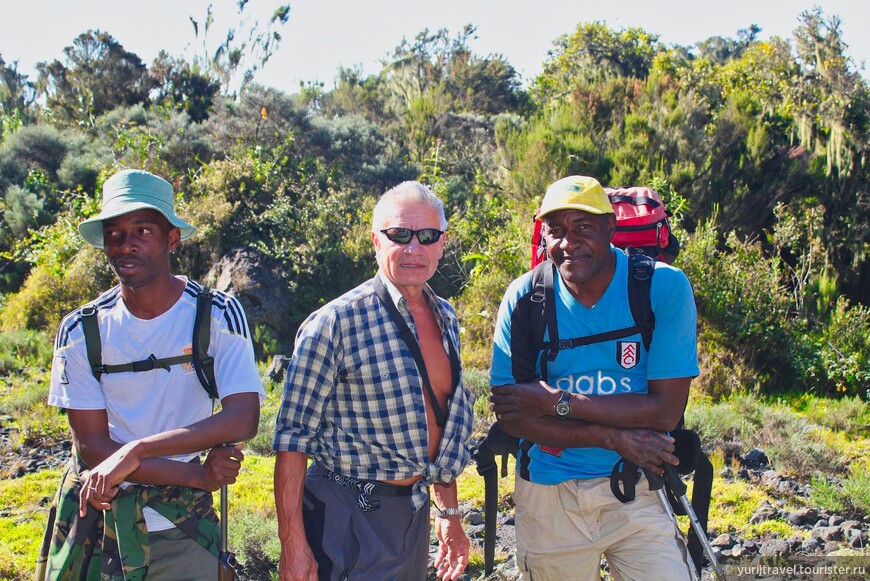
pixel 673 481
pixel 226 560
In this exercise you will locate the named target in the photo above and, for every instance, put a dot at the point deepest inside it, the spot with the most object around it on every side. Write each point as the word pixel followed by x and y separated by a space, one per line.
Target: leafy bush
pixel 827 494
pixel 49 294
pixel 842 352
pixel 850 493
pixel 740 296
pixel 849 415
pixel 24 349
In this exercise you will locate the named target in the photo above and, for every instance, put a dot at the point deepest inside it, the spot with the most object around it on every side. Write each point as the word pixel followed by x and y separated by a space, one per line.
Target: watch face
pixel 563 406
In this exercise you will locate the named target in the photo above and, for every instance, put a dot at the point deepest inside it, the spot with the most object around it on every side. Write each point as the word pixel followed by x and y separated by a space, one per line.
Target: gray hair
pixel 406 191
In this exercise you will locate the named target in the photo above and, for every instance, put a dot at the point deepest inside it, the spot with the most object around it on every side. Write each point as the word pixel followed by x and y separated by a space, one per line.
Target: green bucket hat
pixel 128 191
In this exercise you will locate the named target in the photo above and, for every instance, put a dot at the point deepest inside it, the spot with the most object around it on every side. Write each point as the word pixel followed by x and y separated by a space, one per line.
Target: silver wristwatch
pixel 563 406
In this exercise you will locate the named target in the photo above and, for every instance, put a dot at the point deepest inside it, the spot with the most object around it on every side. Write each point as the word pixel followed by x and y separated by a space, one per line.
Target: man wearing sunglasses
pixel 374 395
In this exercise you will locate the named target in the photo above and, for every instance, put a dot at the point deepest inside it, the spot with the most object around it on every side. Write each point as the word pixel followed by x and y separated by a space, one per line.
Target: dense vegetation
pixel 759 147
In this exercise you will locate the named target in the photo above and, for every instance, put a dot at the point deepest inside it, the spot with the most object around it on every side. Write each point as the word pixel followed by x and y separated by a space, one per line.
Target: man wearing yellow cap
pixel 602 401
pixel 135 500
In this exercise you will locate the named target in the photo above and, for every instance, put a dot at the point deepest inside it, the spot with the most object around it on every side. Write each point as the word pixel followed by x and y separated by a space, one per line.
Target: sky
pixel 323 35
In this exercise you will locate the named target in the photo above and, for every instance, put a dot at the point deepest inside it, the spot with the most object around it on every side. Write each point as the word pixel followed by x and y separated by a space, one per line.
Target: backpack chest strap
pixel 145 364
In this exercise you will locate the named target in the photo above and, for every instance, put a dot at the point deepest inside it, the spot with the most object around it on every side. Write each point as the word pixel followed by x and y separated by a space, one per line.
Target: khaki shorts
pixel 563 530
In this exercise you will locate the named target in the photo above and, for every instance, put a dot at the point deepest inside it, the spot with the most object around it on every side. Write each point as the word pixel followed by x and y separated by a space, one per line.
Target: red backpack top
pixel 641 222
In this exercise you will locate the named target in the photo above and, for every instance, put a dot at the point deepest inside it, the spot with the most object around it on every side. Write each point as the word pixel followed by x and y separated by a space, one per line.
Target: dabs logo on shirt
pixel 627 353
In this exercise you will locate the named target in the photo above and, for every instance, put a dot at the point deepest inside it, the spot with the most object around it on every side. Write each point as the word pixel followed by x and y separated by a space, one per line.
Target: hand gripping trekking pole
pixel 678 487
pixel 226 560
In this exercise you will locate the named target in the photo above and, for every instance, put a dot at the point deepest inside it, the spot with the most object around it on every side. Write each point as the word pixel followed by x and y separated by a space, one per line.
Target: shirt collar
pixel 395 293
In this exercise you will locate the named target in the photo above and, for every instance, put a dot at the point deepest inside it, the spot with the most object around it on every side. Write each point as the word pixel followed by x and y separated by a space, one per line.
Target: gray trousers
pixel 390 543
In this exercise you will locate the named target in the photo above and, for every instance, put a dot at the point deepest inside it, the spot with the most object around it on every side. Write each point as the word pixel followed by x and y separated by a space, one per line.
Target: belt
pixel 368 488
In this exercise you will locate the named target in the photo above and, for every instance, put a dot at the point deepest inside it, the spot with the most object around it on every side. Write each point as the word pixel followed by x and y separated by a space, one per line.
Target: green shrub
pixel 849 415
pixel 827 494
pixel 262 443
pixel 22 350
pixel 797 448
pixel 842 353
pixel 857 486
pixel 740 295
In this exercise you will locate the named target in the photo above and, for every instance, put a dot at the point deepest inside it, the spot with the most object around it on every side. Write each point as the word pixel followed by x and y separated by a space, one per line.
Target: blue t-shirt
pixel 608 368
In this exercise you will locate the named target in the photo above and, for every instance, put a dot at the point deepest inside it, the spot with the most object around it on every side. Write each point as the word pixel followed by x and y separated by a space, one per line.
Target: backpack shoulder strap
pixel 203 363
pixel 640 272
pixel 91 330
pixel 543 313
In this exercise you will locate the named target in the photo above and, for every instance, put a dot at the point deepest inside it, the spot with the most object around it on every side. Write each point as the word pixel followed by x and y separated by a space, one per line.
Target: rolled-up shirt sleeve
pixel 309 386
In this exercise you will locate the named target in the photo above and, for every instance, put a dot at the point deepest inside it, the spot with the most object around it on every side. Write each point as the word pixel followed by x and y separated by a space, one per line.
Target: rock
pixel 831 546
pixel 811 545
pixel 848 525
pixel 857 538
pixel 755 459
pixel 836 520
pixel 255 280
pixel 822 522
pixel 829 533
pixel 277 369
pixel 765 512
pixel 724 541
pixel 770 478
pixel 474 518
pixel 474 531
pixel 775 548
pixel 807 515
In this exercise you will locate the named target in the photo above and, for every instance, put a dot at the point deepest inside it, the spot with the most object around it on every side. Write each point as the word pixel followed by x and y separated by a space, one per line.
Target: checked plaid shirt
pixel 354 400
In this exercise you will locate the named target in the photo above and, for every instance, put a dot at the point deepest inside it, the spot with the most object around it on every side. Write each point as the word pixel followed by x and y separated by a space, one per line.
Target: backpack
pixel 202 362
pixel 641 222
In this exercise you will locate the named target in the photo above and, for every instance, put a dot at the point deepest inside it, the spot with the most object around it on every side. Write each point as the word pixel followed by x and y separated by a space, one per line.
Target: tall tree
pixel 182 86
pixel 97 76
pixel 17 93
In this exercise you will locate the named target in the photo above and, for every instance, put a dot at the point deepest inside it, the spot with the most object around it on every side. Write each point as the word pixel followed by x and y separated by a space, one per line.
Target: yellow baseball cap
pixel 575 193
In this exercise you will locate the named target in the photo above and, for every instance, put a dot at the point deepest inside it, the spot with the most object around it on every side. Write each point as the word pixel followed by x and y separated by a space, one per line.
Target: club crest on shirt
pixel 187 367
pixel 627 353
pixel 61 369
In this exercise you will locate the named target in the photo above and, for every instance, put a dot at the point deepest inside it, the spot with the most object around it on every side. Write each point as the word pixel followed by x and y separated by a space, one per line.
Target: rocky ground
pixel 17 460
pixel 826 533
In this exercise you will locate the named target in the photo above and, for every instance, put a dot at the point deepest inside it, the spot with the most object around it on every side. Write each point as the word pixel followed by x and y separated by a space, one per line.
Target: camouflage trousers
pixel 113 545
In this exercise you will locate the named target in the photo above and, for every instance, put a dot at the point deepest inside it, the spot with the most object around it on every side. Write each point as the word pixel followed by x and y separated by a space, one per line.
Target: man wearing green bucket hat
pixel 130 369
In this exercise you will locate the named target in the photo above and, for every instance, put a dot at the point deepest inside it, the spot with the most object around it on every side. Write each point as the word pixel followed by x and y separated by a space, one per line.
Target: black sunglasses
pixel 425 236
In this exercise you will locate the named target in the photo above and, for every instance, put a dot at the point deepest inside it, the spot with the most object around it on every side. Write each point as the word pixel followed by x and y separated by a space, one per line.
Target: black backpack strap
pixel 640 272
pixel 203 363
pixel 544 313
pixel 410 340
pixel 91 330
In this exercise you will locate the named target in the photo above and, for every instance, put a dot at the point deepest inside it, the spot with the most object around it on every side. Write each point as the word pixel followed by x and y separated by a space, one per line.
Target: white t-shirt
pixel 140 404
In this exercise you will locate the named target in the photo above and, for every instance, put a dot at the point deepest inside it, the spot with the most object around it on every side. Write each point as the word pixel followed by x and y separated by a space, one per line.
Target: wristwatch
pixel 563 406
pixel 443 512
